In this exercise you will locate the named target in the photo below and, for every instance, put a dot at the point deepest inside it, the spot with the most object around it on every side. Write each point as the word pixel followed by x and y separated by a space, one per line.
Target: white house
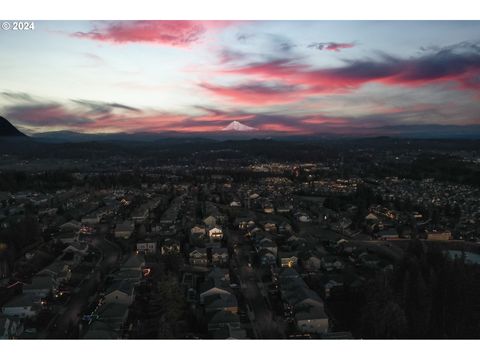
pixel 147 246
pixel 215 234
pixel 120 292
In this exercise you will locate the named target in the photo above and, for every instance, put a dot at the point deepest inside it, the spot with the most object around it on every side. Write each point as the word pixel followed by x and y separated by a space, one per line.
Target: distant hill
pixel 8 130
pixel 238 131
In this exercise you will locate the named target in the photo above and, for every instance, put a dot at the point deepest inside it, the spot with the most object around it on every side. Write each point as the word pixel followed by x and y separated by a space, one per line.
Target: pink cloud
pixel 176 33
pixel 258 93
pixel 279 127
pixel 448 66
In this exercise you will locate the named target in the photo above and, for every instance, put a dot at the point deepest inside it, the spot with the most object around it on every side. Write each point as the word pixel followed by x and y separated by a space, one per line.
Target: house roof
pixel 124 286
pixel 113 311
pixel 310 312
pixel 125 274
pixel 201 251
pixel 223 316
pixel 21 300
pixel 287 254
pixel 101 330
pixel 222 300
pixel 289 273
pixel 219 251
pixel 218 273
pixel 42 282
pixel 134 261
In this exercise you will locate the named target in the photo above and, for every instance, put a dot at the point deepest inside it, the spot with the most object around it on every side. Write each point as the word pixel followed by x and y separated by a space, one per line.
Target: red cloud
pixel 177 33
pixel 282 128
pixel 258 93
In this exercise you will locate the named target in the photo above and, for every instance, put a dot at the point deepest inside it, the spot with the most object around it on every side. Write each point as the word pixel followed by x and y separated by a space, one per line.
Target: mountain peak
pixel 238 126
pixel 7 129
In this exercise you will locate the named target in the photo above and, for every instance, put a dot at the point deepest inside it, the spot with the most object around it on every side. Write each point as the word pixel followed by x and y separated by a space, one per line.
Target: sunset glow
pixel 276 76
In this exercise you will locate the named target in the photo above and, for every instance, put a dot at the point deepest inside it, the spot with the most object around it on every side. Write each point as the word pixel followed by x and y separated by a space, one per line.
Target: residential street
pixel 69 315
pixel 264 324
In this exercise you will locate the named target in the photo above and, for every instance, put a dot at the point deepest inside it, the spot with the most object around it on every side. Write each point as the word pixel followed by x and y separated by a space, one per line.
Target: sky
pixel 286 77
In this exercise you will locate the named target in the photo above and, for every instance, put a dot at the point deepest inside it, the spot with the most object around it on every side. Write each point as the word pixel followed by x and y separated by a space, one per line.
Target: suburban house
pixel 311 319
pixel 134 262
pixel 120 292
pixel 216 283
pixel 147 246
pixel 72 226
pixel 114 314
pixel 266 257
pixel 101 330
pixel 270 227
pixel 223 319
pixel 215 234
pixel 330 263
pixel 219 256
pixel 198 257
pixel 198 230
pixel 134 276
pixel 285 227
pixel 331 286
pixel 210 221
pixel 170 246
pixel 40 287
pixel 267 244
pixel 230 332
pixel 21 306
pixel 287 258
pixel 10 327
pixel 439 235
pixel 93 218
pixel 67 237
pixel 124 230
pixel 302 304
pixel 59 271
pixel 312 263
pixel 220 302
pixel 244 223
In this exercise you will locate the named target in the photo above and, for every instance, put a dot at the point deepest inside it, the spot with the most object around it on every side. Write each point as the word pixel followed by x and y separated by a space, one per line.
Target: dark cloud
pixel 41 115
pixel 16 96
pixel 244 37
pixel 331 46
pixel 458 64
pixel 103 107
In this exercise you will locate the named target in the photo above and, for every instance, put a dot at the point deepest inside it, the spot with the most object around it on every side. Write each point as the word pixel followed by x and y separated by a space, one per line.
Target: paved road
pixel 264 325
pixel 79 300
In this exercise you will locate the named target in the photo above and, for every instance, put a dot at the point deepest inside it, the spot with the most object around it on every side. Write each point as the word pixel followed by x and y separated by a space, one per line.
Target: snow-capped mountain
pixel 238 126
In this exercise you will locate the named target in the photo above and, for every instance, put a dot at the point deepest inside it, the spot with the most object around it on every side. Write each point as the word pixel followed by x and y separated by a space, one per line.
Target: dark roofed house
pixel 170 246
pixel 134 262
pixel 222 319
pixel 11 327
pixel 114 314
pixel 219 256
pixel 302 304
